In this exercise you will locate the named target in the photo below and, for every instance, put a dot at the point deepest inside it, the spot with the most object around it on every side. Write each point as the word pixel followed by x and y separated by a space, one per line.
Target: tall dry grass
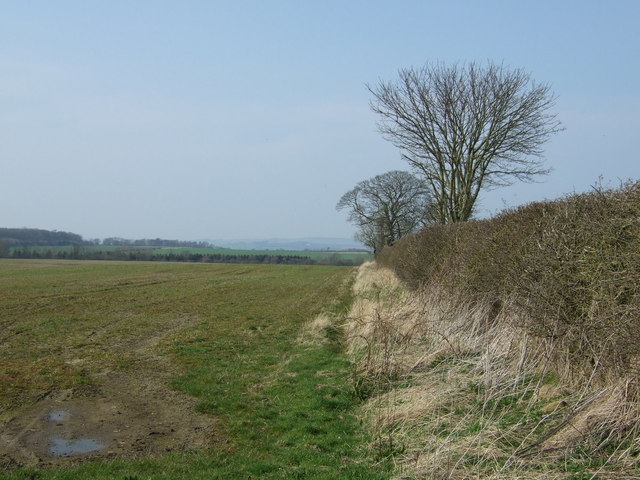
pixel 507 348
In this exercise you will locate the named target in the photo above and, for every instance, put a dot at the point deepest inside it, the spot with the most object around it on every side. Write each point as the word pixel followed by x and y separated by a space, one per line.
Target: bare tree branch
pixel 386 207
pixel 465 129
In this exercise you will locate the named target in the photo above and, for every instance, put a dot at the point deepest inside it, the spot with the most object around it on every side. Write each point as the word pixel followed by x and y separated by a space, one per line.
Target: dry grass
pixel 315 332
pixel 458 390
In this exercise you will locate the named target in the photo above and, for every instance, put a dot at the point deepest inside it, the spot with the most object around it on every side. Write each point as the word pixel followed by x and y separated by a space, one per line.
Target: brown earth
pixel 124 417
pixel 132 413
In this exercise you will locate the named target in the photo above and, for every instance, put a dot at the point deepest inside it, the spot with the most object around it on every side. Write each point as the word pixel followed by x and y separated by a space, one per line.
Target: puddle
pixel 63 448
pixel 126 418
pixel 59 447
pixel 58 415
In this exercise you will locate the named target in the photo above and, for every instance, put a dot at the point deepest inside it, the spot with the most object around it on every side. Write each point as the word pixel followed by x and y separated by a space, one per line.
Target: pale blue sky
pixel 247 119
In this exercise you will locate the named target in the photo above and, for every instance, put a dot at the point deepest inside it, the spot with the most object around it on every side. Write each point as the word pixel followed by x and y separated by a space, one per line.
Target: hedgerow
pixel 569 268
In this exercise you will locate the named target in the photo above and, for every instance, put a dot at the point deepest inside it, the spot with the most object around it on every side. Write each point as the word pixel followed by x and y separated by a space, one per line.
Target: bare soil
pixel 121 414
pixel 128 418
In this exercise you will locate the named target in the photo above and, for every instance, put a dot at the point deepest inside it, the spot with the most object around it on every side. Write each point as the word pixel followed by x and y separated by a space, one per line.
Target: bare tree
pixel 466 128
pixel 386 207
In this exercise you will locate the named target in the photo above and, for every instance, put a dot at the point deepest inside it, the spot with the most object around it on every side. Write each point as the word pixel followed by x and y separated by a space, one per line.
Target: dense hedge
pixel 570 268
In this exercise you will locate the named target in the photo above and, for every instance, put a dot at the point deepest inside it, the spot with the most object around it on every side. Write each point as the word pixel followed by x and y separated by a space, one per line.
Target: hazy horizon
pixel 212 240
pixel 245 120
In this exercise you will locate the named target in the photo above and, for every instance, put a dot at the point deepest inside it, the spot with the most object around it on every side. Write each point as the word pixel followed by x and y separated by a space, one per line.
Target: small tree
pixel 465 129
pixel 386 207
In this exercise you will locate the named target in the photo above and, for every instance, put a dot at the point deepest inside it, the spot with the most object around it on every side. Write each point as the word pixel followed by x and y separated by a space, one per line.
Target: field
pixel 113 252
pixel 173 370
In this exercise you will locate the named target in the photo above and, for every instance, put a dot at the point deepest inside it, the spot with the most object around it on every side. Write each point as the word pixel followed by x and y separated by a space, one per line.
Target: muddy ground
pixel 121 418
pixel 132 413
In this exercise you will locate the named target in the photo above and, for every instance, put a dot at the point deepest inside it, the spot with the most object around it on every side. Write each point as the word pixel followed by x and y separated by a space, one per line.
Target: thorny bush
pixel 571 268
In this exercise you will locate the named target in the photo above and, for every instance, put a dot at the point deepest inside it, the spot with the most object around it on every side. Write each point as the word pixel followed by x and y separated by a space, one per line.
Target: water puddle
pixel 58 415
pixel 63 448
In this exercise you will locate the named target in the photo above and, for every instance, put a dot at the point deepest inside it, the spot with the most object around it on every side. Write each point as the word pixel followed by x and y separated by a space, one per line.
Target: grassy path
pixel 282 407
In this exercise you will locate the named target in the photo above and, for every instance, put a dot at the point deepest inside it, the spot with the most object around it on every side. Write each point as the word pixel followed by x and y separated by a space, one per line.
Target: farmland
pixel 209 255
pixel 175 370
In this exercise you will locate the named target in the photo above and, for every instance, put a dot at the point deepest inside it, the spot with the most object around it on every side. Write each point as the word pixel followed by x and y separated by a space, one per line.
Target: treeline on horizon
pixel 154 242
pixel 78 253
pixel 35 237
pixel 30 243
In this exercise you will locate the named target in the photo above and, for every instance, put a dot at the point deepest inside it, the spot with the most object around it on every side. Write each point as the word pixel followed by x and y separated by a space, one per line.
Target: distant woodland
pixel 35 243
pixel 33 237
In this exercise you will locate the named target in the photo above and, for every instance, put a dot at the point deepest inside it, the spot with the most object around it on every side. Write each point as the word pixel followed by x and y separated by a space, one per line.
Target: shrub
pixel 571 268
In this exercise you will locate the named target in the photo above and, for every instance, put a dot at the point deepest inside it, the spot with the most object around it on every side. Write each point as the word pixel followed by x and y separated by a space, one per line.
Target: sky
pixel 249 119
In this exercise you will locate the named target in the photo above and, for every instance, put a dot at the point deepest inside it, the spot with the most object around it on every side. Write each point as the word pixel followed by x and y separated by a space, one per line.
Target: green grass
pixel 284 409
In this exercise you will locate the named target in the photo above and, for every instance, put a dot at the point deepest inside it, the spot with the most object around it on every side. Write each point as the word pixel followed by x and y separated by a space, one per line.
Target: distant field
pixel 316 255
pixel 174 370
